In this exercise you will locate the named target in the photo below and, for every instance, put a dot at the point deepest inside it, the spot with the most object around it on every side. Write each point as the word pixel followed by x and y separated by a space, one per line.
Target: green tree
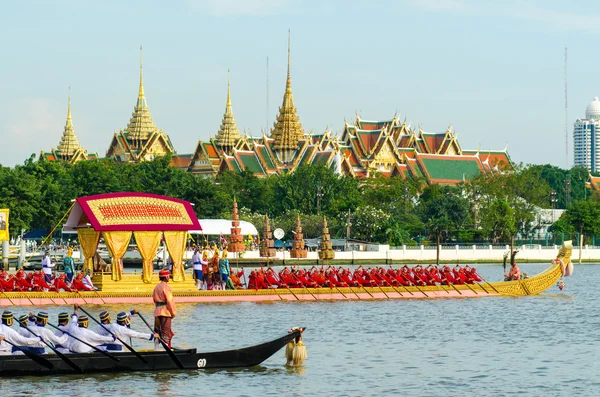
pixel 443 209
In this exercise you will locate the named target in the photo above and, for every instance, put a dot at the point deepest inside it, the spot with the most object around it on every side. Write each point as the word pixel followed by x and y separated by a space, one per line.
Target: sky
pixel 493 70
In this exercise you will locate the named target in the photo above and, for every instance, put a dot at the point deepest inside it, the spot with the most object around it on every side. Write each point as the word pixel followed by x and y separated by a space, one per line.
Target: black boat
pixel 189 359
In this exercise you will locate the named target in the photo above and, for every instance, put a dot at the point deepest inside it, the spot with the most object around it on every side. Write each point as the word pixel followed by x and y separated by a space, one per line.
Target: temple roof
pixel 141 140
pixel 141 125
pixel 68 143
pixel 447 169
pixel 228 133
pixel 287 129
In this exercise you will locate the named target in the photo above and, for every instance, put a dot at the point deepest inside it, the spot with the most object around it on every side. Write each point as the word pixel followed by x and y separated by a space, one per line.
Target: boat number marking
pixel 202 363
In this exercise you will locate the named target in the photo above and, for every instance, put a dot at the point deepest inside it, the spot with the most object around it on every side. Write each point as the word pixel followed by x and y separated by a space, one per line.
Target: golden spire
pixel 69 119
pixel 287 130
pixel 228 133
pixel 141 126
pixel 288 83
pixel 68 144
pixel 141 97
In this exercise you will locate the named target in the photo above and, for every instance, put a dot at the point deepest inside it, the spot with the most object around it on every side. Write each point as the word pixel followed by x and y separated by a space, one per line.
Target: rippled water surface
pixel 545 345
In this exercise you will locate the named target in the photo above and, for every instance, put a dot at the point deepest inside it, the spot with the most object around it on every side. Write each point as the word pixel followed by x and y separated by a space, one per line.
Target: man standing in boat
pixel 197 263
pixel 165 309
pixel 47 266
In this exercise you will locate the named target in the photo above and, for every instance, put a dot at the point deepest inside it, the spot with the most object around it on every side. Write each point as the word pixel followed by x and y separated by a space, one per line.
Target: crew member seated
pixel 514 273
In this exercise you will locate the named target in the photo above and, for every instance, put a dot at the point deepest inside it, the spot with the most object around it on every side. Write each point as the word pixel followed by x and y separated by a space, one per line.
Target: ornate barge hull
pixel 124 295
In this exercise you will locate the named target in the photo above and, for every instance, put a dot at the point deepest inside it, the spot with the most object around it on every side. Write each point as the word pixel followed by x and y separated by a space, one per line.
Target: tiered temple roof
pixel 363 149
pixel 141 140
pixel 68 148
pixel 287 130
pixel 228 134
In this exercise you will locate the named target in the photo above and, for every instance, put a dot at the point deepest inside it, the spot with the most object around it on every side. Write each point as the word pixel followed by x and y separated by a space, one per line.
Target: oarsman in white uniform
pixel 39 329
pixel 82 332
pixel 47 266
pixel 64 326
pixel 120 328
pixel 12 336
pixel 197 263
pixel 23 323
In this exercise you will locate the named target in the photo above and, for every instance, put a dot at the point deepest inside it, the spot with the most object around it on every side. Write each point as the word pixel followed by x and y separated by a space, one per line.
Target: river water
pixel 543 345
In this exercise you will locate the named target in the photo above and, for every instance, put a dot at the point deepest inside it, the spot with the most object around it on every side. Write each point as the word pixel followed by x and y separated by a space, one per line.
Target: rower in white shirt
pixel 39 329
pixel 82 332
pixel 65 326
pixel 23 323
pixel 120 328
pixel 7 334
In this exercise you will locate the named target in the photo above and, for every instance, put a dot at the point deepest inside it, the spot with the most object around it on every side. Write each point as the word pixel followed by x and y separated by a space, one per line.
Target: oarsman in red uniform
pixel 22 284
pixel 472 273
pixel 288 278
pixel 7 282
pixel 346 276
pixel 459 275
pixel 407 274
pixel 165 308
pixel 446 275
pixel 39 281
pixel 60 282
pixel 271 278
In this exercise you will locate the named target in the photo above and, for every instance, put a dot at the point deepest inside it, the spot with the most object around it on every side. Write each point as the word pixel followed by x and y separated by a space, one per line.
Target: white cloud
pixel 222 8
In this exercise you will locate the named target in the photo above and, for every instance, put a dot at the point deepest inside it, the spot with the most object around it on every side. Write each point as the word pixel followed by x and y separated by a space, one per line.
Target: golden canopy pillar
pixel 147 216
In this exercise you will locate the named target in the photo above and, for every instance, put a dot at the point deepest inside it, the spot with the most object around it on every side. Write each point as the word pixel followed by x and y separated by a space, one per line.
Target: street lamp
pixel 553 201
pixel 319 195
pixel 476 198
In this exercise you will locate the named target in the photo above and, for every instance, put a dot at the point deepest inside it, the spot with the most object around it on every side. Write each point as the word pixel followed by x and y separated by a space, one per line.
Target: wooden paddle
pixel 66 359
pixel 338 275
pixel 485 281
pixel 35 357
pixel 307 290
pixel 131 349
pixel 162 342
pixel 107 354
pixel 400 284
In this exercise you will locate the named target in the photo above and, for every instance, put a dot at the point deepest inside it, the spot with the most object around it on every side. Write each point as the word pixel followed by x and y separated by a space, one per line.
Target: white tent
pixel 212 227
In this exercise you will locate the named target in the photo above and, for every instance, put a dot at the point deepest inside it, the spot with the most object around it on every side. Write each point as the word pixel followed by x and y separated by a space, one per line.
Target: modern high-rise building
pixel 586 138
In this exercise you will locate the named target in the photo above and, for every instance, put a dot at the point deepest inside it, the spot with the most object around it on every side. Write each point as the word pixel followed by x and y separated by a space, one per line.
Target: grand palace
pixel 363 149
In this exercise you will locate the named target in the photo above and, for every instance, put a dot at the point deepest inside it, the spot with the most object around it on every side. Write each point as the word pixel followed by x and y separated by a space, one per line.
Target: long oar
pixel 452 285
pixel 35 357
pixel 131 349
pixel 59 354
pixel 419 288
pixel 10 300
pixel 472 289
pixel 399 283
pixel 307 290
pixel 485 281
pixel 378 286
pixel 349 287
pixel 87 344
pixel 164 345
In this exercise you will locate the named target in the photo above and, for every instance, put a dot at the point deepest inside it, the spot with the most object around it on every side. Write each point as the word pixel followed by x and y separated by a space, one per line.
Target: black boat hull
pixel 20 365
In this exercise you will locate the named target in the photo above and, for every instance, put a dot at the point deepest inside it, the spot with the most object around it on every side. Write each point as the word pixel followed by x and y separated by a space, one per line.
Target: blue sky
pixel 494 70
